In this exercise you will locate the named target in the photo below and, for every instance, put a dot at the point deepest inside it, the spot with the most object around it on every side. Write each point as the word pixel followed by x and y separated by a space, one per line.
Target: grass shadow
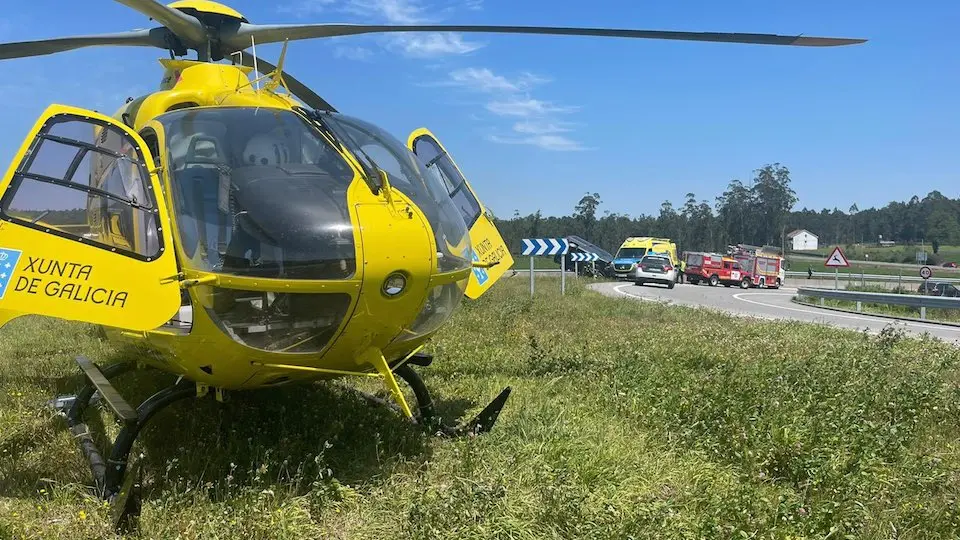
pixel 285 437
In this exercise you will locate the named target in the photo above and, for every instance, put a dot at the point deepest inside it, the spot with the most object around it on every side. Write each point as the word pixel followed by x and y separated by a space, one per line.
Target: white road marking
pixel 829 313
pixel 618 289
pixel 813 311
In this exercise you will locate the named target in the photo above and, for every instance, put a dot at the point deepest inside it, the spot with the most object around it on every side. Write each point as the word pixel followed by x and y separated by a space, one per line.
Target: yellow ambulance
pixel 634 248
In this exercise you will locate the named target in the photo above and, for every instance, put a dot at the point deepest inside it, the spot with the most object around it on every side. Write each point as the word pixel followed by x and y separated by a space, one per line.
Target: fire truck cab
pixel 764 271
pixel 716 269
pixel 764 267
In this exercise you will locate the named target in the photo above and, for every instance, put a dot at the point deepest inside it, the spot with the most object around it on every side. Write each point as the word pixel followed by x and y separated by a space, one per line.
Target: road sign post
pixel 925 273
pixel 531 276
pixel 547 246
pixel 836 260
pixel 583 256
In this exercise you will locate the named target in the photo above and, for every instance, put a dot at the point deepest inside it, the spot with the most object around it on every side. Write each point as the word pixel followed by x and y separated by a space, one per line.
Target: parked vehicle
pixel 928 287
pixel 603 266
pixel 938 288
pixel 655 269
pixel 948 289
pixel 766 268
pixel 633 249
pixel 765 272
pixel 716 269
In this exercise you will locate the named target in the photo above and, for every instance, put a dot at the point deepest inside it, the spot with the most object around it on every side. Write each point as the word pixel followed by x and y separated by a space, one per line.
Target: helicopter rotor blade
pixel 184 26
pixel 272 33
pixel 297 88
pixel 138 38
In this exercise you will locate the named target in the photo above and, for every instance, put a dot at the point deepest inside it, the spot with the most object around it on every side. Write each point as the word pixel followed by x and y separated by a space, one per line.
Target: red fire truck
pixel 765 269
pixel 715 269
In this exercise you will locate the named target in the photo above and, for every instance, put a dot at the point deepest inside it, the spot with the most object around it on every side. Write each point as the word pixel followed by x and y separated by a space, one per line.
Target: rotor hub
pixel 206 8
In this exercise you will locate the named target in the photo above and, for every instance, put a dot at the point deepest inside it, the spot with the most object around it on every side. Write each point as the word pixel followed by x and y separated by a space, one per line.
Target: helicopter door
pixel 84 232
pixel 488 245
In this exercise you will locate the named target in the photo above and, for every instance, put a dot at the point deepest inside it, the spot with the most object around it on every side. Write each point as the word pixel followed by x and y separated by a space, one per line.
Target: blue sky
pixel 638 121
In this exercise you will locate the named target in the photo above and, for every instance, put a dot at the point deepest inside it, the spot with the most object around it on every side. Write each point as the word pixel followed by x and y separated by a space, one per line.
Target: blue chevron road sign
pixel 545 246
pixel 584 257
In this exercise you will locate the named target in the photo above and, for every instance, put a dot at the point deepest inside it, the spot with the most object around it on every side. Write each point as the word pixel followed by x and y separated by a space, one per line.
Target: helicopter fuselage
pixel 301 270
pixel 307 244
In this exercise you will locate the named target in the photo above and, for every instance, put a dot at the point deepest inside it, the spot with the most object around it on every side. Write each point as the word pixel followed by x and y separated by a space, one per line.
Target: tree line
pixel 760 212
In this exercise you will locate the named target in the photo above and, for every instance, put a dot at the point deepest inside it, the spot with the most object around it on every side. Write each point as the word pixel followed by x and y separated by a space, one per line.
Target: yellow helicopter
pixel 240 231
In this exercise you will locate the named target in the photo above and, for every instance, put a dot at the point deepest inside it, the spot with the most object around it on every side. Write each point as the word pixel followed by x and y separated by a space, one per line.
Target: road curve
pixel 768 304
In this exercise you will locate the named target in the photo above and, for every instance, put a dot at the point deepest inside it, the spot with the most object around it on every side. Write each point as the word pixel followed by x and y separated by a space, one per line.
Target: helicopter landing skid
pixel 482 423
pixel 113 484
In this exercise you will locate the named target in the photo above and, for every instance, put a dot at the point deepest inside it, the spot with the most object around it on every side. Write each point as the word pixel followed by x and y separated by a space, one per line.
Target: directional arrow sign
pixel 545 246
pixel 584 257
pixel 528 246
pixel 837 259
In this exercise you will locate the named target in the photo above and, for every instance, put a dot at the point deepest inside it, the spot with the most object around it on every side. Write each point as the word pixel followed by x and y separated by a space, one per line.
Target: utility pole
pixel 783 240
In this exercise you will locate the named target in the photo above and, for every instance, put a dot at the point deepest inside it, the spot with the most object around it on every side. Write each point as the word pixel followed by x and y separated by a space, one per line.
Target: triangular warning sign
pixel 837 259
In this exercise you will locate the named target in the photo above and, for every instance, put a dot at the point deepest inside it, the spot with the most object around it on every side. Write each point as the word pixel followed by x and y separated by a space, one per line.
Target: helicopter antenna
pixel 276 76
pixel 253 43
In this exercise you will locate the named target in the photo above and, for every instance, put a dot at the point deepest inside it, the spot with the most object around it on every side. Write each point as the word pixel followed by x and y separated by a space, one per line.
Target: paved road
pixel 767 304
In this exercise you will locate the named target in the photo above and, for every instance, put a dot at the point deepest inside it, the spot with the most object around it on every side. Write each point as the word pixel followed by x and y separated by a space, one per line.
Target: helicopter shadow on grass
pixel 282 437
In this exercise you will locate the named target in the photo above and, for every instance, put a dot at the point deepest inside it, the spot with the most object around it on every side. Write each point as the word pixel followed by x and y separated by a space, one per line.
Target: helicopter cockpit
pixel 257 193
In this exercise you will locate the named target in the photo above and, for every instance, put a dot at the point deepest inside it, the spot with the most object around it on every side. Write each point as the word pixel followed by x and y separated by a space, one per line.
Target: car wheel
pixel 714 280
pixel 745 284
pixel 670 285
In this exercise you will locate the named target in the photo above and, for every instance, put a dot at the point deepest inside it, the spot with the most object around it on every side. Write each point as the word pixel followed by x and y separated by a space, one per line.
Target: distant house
pixel 802 240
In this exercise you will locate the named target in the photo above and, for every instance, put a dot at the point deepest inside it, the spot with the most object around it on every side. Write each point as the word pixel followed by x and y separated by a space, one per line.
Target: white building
pixel 802 240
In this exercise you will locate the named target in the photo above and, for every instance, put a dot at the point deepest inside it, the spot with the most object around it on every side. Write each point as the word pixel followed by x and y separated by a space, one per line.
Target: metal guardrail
pixel 844 276
pixel 909 300
pixel 854 276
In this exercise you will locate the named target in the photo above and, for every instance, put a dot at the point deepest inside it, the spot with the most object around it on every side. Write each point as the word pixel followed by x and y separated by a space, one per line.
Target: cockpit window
pixel 257 192
pixel 408 175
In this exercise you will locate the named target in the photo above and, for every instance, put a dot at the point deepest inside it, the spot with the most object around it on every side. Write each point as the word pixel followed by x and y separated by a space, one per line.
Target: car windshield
pixel 257 192
pixel 655 261
pixel 631 253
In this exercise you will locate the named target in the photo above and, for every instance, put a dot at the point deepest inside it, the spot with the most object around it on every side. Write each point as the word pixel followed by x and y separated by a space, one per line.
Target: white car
pixel 655 269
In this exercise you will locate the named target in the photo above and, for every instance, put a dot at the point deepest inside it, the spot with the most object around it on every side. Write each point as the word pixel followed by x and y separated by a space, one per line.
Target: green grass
pixel 628 420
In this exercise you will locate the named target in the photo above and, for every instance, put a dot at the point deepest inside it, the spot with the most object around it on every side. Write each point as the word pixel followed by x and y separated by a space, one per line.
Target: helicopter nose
pixel 398 260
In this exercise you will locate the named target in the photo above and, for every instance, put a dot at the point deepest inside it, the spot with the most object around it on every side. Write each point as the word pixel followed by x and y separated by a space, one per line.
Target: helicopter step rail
pixel 112 480
pixel 120 407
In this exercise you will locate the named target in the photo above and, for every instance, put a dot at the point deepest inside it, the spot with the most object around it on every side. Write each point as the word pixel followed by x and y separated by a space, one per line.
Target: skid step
pixel 107 392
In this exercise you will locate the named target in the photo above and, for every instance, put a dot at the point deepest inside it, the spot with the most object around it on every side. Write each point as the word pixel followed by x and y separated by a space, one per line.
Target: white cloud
pixel 395 11
pixel 353 53
pixel 556 143
pixel 484 80
pixel 534 121
pixel 399 12
pixel 525 107
pixel 535 127
pixel 422 45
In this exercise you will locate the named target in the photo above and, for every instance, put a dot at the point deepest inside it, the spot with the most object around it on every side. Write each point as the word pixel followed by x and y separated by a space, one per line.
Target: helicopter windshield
pixel 409 175
pixel 258 193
